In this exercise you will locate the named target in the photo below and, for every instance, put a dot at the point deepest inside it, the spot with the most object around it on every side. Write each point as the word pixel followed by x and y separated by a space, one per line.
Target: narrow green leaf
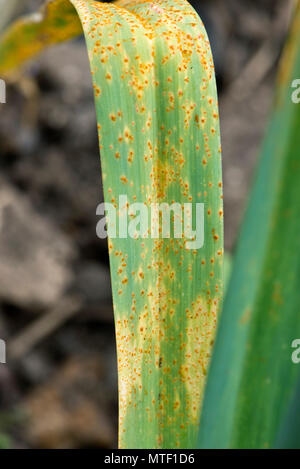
pixel 227 269
pixel 289 431
pixel 157 113
pixel 252 376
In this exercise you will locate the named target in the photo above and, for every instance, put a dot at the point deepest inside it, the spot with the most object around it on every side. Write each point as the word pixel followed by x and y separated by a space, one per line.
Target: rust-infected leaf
pixel 158 123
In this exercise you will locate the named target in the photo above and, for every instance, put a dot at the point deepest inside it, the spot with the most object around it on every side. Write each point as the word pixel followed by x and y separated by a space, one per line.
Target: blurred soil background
pixel 59 387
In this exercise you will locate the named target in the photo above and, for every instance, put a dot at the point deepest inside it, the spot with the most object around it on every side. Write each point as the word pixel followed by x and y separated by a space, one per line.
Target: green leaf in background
pixel 289 432
pixel 227 269
pixel 158 123
pixel 252 377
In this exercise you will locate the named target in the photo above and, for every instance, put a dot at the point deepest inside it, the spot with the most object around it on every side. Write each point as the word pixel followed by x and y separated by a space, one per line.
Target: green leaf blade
pixel 252 375
pixel 158 123
pixel 166 310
